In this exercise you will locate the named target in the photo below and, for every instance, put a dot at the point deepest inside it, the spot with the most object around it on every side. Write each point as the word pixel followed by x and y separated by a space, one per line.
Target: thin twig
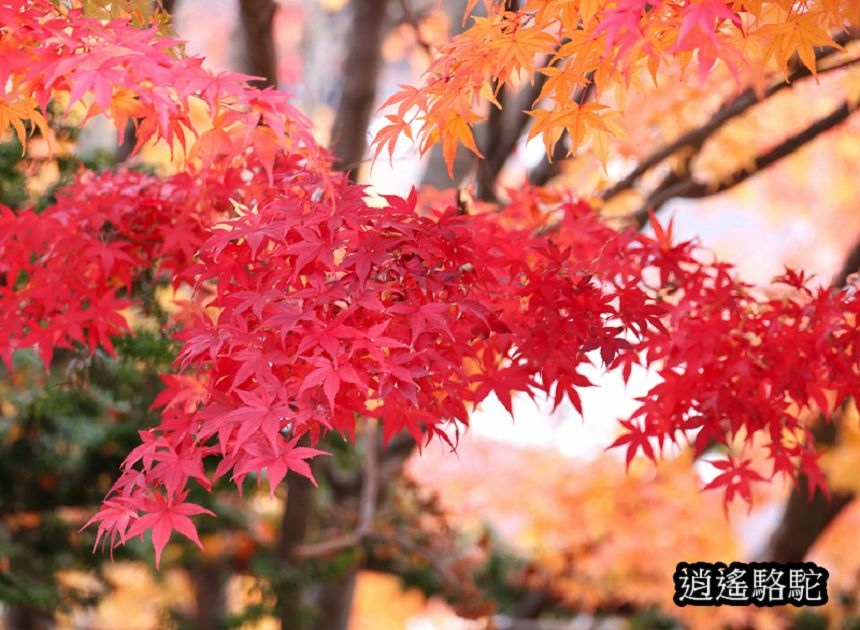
pixel 408 546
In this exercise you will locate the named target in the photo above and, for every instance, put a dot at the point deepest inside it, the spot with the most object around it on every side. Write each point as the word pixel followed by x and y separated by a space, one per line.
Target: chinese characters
pixel 745 584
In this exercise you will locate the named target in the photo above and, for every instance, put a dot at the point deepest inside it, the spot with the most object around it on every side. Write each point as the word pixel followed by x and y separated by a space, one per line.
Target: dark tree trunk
pixel 294 530
pixel 804 520
pixel 358 85
pixel 258 18
pixel 334 602
pixel 28 618
pixel 436 174
pixel 210 596
pixel 349 141
pixel 802 523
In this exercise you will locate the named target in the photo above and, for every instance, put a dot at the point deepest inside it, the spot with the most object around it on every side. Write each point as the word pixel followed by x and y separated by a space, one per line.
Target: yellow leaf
pixel 486 92
pixel 800 34
pixel 456 130
pixel 15 114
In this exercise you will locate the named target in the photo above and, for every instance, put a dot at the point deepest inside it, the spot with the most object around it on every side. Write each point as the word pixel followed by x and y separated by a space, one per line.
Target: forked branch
pixel 367 502
pixel 695 138
pixel 688 188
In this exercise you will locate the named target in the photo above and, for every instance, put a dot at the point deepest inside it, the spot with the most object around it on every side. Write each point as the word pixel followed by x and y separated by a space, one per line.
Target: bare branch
pixel 438 564
pixel 691 189
pixel 695 138
pixel 367 502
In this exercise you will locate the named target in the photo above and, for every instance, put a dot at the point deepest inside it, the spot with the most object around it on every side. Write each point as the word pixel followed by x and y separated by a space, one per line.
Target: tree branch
pixel 850 266
pixel 294 528
pixel 806 517
pixel 695 138
pixel 691 189
pixel 168 6
pixel 549 168
pixel 367 502
pixel 490 167
pixel 503 133
pixel 438 565
pixel 504 127
pixel 436 172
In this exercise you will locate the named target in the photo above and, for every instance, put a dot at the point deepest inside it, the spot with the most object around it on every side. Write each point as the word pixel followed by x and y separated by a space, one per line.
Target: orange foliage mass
pixel 599 538
pixel 618 49
pixel 381 604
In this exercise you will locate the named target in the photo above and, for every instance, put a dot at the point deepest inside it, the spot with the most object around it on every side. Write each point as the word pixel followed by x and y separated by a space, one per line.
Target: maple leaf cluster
pixel 312 310
pixel 54 53
pixel 607 49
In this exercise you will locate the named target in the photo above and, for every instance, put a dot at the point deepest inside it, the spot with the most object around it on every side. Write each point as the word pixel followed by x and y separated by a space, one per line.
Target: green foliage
pixel 63 434
pixel 13 182
pixel 653 619
pixel 62 438
pixel 810 620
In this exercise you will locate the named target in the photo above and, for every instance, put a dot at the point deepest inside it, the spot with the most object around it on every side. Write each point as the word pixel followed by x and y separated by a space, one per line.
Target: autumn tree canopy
pixel 304 309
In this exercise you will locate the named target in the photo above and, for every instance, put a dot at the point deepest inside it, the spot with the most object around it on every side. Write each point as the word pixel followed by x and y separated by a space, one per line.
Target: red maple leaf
pixel 164 515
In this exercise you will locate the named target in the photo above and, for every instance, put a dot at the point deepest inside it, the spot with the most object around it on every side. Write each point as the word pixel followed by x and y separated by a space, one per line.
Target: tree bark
pixel 294 530
pixel 210 596
pixel 802 523
pixel 334 602
pixel 28 618
pixel 258 18
pixel 436 174
pixel 358 86
pixel 805 518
